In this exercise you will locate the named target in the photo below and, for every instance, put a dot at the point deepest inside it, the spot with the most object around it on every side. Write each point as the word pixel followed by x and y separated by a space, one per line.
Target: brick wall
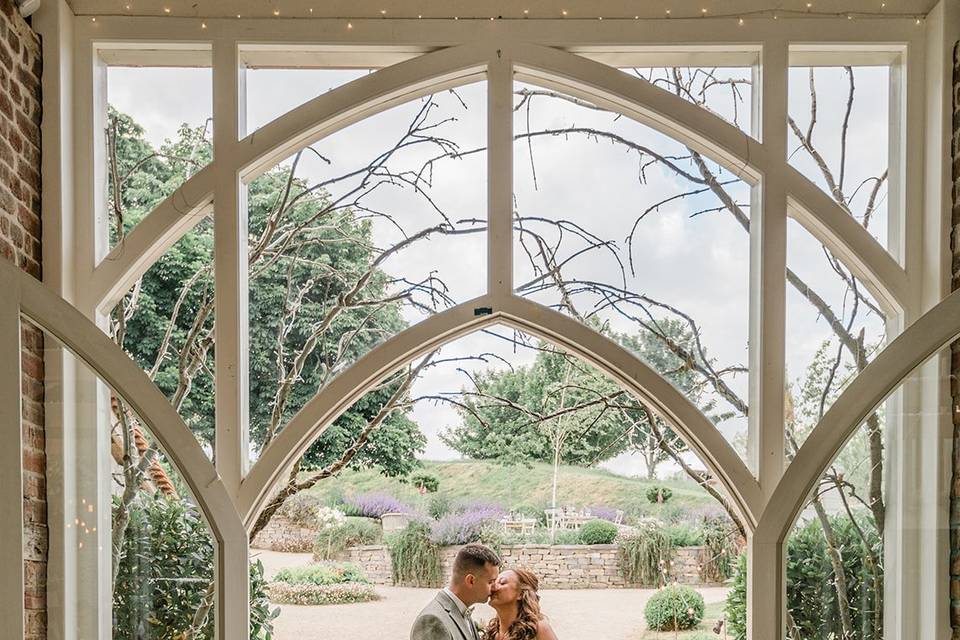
pixel 20 243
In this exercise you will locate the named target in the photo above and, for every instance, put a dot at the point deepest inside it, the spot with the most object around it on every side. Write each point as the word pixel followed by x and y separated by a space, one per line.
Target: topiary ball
pixel 597 532
pixel 658 494
pixel 674 608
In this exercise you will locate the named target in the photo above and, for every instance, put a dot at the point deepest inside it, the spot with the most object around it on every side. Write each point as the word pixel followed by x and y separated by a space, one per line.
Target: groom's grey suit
pixel 442 620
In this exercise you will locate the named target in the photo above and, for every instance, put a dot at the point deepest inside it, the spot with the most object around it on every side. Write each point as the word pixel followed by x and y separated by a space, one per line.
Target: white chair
pixel 555 518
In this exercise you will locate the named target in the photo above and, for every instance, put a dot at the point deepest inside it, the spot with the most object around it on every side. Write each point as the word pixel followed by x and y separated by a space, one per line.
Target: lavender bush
pixel 464 527
pixel 604 513
pixel 373 505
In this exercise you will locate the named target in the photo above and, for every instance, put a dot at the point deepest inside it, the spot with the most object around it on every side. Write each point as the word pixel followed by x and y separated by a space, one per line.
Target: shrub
pixel 735 610
pixel 321 574
pixel 719 539
pixel 166 567
pixel 414 559
pixel 659 494
pixel 333 541
pixel 564 536
pixel 311 594
pixel 425 481
pixel 674 608
pixel 373 505
pixel 597 532
pixel 811 590
pixel 301 509
pixel 684 535
pixel 644 554
pixel 439 505
pixel 461 528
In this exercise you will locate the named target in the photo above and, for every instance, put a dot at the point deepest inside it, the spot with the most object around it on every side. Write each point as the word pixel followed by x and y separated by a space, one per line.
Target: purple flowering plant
pixel 374 505
pixel 604 513
pixel 465 526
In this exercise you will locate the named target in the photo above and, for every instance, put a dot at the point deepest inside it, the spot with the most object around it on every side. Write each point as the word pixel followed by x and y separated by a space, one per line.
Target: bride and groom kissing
pixel 477 578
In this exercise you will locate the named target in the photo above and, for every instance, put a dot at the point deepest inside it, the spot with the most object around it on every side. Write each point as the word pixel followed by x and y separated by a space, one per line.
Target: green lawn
pixel 514 486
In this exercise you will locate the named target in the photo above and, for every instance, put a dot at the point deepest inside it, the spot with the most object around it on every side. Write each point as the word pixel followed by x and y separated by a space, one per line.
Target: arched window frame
pixel 498 49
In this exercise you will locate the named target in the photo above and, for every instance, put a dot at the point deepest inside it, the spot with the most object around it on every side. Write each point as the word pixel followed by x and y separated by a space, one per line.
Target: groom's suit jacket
pixel 441 620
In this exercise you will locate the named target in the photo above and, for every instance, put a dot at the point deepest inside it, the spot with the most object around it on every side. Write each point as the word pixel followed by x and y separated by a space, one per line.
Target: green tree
pixel 518 415
pixel 176 295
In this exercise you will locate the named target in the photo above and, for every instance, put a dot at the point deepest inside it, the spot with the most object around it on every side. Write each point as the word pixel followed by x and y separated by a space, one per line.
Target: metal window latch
pixel 482 311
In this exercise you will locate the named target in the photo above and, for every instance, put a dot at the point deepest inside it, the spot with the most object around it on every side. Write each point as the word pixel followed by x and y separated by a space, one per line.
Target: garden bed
pixel 313 594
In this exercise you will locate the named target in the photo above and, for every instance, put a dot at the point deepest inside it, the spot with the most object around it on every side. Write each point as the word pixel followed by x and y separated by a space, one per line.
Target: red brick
pixel 31 338
pixel 29 129
pixel 29 220
pixel 16 140
pixel 32 389
pixel 34 600
pixel 7 251
pixel 35 511
pixel 34 461
pixel 6 60
pixel 28 174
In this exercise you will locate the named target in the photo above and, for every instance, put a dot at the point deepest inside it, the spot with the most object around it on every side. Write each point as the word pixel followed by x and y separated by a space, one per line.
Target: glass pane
pixel 156 139
pixel 640 238
pixel 165 323
pixel 836 561
pixel 725 91
pixel 160 547
pixel 834 329
pixel 493 412
pixel 357 237
pixel 273 92
pixel 839 122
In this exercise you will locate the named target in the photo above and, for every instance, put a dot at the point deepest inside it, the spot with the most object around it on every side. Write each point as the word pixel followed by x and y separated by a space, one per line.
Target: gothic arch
pixel 611 358
pixel 87 342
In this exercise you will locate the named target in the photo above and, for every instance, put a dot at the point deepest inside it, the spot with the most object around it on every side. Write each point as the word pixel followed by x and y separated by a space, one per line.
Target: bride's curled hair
pixel 527 623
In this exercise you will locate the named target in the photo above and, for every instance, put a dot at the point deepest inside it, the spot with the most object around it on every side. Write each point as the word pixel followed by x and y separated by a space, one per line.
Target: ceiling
pixel 505 9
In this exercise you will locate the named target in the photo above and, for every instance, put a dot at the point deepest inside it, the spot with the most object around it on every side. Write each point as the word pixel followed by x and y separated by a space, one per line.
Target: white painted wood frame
pixel 427 56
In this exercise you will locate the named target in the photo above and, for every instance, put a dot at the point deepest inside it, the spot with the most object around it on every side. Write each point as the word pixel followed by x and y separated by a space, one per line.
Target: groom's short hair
pixel 472 558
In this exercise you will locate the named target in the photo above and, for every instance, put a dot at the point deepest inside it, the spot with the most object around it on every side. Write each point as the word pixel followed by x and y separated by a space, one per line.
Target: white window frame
pixel 557 53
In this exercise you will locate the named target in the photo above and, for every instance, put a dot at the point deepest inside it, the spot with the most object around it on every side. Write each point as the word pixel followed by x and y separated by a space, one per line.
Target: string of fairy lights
pixel 740 18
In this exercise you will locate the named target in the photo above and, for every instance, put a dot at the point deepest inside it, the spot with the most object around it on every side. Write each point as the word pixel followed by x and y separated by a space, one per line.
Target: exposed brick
pixel 6 60
pixel 34 461
pixel 29 129
pixel 7 251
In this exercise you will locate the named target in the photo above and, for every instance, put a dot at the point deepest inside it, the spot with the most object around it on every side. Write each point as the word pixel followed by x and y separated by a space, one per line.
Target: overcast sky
pixel 697 264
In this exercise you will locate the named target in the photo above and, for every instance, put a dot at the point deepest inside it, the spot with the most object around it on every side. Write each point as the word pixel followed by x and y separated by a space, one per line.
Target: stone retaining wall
pixel 281 534
pixel 557 566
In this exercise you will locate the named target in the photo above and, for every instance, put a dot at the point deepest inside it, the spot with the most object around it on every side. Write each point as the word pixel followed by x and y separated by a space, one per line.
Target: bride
pixel 515 599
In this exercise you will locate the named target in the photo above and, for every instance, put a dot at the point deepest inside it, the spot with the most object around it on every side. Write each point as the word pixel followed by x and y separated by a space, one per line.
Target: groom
pixel 475 570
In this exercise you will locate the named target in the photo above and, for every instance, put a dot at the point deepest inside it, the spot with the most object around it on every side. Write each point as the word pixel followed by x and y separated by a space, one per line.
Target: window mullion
pixel 230 269
pixel 11 471
pixel 500 175
pixel 768 244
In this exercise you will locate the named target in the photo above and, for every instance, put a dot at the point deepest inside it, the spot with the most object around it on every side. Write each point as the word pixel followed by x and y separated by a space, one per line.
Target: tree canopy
pixel 292 286
pixel 511 415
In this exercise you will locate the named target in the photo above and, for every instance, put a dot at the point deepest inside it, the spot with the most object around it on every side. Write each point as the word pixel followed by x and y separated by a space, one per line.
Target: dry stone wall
pixel 557 566
pixel 20 232
pixel 281 534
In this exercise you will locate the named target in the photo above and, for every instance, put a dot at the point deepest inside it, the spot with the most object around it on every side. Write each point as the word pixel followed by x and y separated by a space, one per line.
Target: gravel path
pixel 610 614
